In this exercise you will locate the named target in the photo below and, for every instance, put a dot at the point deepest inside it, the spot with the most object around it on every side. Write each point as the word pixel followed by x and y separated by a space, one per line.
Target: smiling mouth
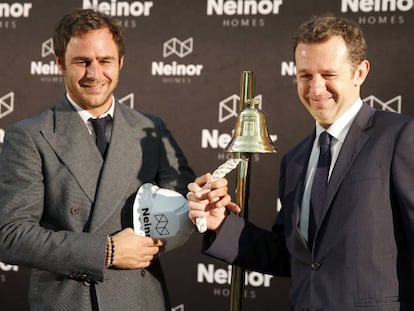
pixel 320 101
pixel 92 88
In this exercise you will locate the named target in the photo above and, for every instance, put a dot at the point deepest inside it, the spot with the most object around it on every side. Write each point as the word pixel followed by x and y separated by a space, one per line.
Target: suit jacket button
pixel 86 283
pixel 143 273
pixel 315 265
pixel 74 210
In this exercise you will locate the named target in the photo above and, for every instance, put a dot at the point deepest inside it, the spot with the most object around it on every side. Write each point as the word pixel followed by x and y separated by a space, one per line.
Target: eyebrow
pixel 88 58
pixel 328 70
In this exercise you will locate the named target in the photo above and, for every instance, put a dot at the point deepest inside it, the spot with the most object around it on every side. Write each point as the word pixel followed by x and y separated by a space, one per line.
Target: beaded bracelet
pixel 110 251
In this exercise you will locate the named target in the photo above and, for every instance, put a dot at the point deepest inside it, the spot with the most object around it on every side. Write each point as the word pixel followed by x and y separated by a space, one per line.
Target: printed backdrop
pixel 183 63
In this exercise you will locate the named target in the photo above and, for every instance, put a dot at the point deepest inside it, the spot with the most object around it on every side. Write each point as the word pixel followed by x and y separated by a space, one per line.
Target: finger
pixel 201 180
pixel 220 183
pixel 146 261
pixel 149 252
pixel 217 194
pixel 157 242
pixel 198 206
pixel 223 201
pixel 193 187
pixel 233 207
pixel 198 195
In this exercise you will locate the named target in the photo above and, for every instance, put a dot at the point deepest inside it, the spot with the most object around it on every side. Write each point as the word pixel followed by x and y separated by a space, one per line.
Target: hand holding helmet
pixel 163 214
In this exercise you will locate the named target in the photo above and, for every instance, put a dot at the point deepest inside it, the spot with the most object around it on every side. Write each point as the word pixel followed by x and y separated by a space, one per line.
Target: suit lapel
pixel 298 173
pixel 73 144
pixel 354 141
pixel 118 172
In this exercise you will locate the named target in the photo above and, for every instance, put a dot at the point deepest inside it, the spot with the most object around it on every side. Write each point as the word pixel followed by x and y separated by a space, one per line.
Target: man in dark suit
pixel 346 242
pixel 66 208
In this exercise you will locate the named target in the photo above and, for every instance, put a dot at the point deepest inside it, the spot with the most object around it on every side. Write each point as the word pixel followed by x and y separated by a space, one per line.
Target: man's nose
pixel 91 71
pixel 317 84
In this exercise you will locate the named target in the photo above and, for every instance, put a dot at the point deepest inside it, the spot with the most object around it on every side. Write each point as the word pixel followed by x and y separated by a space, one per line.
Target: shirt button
pixel 143 273
pixel 315 265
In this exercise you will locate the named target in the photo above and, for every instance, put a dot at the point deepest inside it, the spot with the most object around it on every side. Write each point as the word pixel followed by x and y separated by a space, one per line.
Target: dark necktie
pixel 99 127
pixel 320 181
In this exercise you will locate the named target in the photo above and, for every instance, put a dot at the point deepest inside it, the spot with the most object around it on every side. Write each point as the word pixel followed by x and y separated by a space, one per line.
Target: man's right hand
pixel 211 202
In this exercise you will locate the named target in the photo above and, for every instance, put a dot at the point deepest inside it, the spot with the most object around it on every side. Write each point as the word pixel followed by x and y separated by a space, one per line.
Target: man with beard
pixel 66 200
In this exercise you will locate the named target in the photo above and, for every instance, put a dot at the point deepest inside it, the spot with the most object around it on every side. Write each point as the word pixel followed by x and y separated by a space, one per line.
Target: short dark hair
pixel 321 28
pixel 80 21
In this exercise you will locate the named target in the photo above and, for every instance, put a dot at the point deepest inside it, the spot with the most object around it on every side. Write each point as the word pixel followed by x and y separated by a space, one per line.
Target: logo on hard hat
pixel 162 213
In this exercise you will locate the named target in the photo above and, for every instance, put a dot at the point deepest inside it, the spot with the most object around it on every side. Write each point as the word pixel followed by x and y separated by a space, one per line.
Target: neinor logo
pixel 15 9
pixel 243 7
pixel 376 5
pixel 175 69
pixel 39 68
pixel 147 221
pixel 120 8
pixel 210 274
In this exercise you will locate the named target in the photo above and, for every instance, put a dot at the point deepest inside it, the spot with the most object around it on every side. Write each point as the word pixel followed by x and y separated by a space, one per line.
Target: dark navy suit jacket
pixel 362 257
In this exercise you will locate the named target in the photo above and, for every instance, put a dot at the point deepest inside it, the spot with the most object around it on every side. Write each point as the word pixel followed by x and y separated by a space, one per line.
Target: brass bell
pixel 250 132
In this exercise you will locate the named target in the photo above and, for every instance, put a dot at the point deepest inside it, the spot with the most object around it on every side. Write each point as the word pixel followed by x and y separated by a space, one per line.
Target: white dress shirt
pixel 86 115
pixel 338 132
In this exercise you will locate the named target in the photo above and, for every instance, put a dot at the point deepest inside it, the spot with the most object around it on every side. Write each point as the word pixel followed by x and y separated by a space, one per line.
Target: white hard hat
pixel 162 213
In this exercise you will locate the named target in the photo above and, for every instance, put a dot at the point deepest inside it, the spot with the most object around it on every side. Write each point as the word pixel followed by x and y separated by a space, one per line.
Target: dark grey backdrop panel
pixel 183 62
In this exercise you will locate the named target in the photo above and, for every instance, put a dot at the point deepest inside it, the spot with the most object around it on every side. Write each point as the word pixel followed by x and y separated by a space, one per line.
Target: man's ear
pixel 362 72
pixel 121 62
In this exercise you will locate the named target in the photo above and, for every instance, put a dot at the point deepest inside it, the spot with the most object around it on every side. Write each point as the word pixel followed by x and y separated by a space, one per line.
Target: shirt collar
pixel 86 115
pixel 340 128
